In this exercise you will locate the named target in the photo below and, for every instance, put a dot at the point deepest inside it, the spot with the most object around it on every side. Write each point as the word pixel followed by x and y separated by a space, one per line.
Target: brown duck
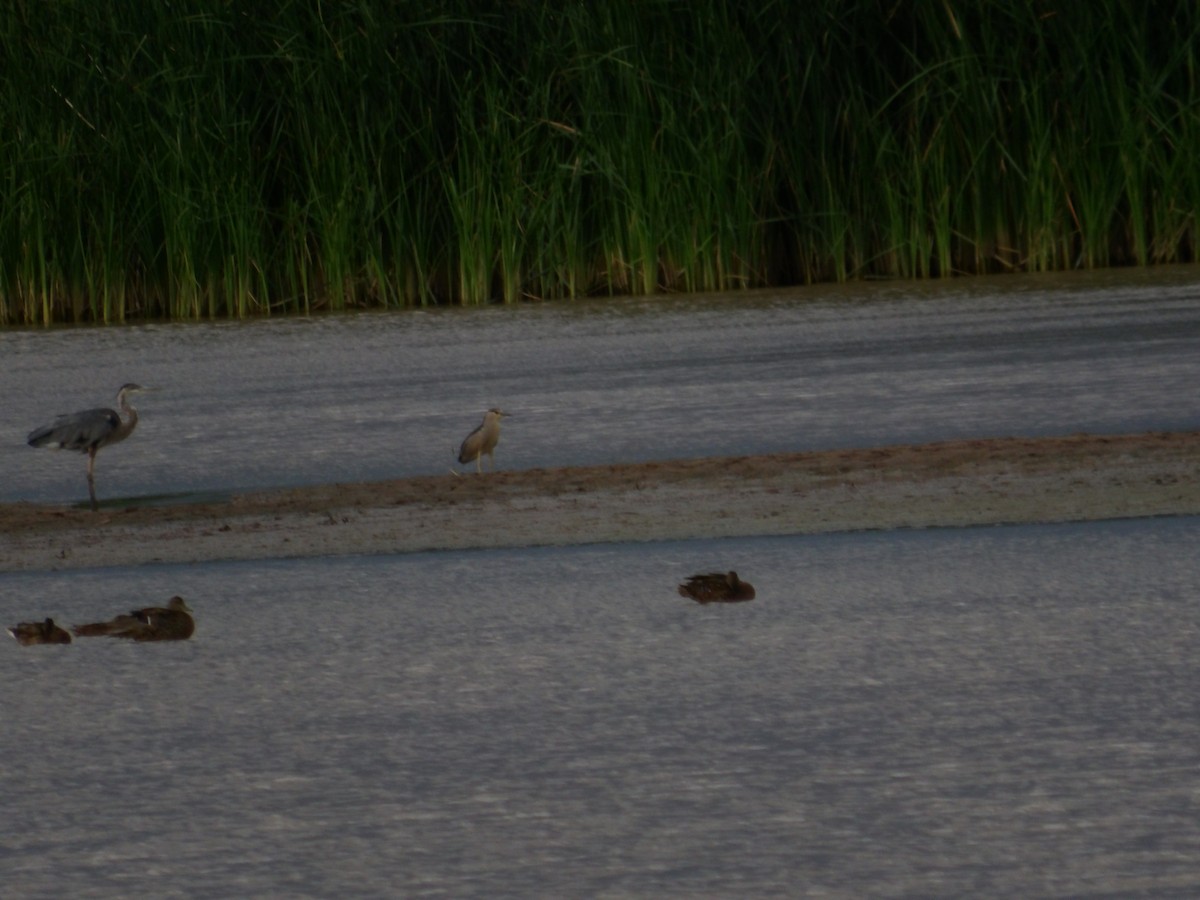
pixel 46 632
pixel 717 587
pixel 172 622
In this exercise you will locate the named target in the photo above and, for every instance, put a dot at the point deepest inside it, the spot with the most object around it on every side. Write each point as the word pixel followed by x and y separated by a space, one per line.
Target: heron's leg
pixel 479 462
pixel 92 477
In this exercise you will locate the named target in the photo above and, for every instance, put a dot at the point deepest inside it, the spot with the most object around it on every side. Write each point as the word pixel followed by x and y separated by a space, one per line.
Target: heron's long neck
pixel 127 424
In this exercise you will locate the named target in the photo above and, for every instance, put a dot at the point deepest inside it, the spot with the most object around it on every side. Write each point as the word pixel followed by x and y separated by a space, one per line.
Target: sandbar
pixel 990 481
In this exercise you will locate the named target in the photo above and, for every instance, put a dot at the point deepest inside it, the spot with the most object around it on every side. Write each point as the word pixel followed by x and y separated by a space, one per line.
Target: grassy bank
pixel 196 159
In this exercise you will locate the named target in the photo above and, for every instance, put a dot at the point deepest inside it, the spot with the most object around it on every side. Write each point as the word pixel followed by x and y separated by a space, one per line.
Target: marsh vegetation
pixel 193 160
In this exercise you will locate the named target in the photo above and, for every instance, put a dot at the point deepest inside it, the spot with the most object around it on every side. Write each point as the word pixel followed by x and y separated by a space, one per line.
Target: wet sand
pixel 947 484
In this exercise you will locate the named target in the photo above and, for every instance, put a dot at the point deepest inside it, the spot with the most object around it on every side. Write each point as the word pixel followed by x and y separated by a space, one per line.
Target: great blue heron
pixel 483 440
pixel 90 430
pixel 717 587
pixel 172 622
pixel 47 632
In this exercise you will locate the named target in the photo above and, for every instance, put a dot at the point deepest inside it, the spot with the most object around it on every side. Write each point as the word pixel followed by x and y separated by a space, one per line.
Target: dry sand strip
pixel 947 484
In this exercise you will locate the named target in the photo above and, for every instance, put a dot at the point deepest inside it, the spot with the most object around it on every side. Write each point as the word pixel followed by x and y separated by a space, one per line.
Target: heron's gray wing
pixel 76 431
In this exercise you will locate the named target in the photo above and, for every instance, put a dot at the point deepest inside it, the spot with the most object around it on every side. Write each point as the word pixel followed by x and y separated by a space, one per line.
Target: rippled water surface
pixel 384 395
pixel 980 712
pixel 947 713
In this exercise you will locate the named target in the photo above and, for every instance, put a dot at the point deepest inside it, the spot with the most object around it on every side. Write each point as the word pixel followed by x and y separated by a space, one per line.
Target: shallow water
pixel 995 712
pixel 377 396
pixel 981 712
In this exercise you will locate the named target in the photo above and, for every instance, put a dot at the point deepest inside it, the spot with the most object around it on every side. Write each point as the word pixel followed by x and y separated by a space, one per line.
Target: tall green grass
pixel 194 160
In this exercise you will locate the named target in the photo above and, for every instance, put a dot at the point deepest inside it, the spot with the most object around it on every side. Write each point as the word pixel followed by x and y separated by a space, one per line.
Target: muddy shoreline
pixel 945 484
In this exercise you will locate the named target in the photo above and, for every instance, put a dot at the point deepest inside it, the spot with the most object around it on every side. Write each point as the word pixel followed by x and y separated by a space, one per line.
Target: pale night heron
pixel 90 430
pixel 172 622
pixel 717 587
pixel 483 440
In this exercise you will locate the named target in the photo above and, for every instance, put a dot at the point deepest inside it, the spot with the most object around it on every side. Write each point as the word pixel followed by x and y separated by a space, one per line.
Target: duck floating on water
pixel 172 622
pixel 47 632
pixel 717 587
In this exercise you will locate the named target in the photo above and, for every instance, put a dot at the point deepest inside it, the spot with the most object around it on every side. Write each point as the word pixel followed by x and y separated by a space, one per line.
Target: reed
pixel 194 160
